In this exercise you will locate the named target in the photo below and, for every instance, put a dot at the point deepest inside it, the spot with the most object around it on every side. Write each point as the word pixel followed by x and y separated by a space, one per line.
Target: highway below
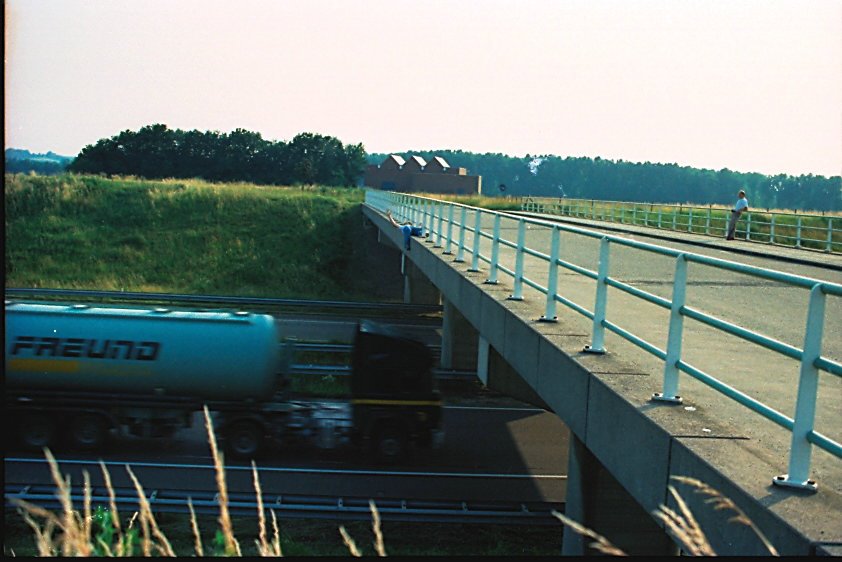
pixel 498 453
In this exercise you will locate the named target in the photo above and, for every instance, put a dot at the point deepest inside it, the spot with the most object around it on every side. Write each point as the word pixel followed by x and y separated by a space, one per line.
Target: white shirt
pixel 742 203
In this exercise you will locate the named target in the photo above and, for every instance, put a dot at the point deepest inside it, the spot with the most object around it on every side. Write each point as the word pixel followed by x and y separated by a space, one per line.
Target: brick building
pixel 419 176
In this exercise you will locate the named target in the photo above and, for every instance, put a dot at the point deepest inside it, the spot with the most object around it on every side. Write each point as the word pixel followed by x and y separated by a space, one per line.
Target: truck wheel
pixel 37 430
pixel 88 432
pixel 244 440
pixel 390 445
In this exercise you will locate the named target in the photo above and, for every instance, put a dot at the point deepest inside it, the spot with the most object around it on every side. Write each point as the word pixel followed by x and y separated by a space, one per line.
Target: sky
pixel 749 85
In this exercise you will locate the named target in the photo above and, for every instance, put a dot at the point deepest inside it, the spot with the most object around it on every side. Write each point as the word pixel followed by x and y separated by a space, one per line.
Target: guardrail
pixel 292 506
pixel 447 224
pixel 344 369
pixel 217 300
pixel 810 231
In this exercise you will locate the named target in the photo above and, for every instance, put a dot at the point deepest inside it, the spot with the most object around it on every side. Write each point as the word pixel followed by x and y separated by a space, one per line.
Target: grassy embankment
pixel 87 232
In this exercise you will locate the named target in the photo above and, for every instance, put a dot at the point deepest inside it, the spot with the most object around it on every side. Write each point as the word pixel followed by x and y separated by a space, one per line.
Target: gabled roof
pixel 398 159
pixel 418 160
pixel 441 161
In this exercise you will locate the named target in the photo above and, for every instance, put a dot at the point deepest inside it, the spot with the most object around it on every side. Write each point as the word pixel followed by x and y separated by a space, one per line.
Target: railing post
pixel 690 220
pixel 707 221
pixel 517 295
pixel 477 237
pixel 829 247
pixel 440 217
pixel 798 234
pixel 805 404
pixel 429 221
pixel 660 213
pixel 634 214
pixel 646 215
pixel 676 330
pixel 552 278
pixel 449 229
pixel 748 226
pixel 495 251
pixel 460 253
pixel 412 210
pixel 772 230
pixel 623 214
pixel 601 301
pixel 675 216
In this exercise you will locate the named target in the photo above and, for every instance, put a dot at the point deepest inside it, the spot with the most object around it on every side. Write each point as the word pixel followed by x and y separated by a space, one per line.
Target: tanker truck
pixel 83 373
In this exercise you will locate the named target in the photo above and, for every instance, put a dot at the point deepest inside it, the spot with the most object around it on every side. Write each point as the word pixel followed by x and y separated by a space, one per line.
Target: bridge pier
pixel 502 377
pixel 459 340
pixel 417 287
pixel 596 500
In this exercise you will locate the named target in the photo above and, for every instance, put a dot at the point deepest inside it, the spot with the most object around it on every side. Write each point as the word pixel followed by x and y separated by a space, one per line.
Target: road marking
pixel 307 470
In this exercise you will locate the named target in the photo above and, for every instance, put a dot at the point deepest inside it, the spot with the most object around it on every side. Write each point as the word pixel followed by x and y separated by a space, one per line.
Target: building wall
pixel 446 183
pixel 431 179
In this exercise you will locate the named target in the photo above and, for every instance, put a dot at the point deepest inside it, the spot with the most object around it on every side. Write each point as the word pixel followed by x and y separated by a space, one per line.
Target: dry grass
pixel 73 534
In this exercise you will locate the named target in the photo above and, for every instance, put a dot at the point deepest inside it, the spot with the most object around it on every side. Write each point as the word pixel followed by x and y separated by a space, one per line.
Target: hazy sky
pixel 751 85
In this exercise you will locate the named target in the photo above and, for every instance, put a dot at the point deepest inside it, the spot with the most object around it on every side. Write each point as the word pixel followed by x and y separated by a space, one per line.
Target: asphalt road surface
pixel 510 452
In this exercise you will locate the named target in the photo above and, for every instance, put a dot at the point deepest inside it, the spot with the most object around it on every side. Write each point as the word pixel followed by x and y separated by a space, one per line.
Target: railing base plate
pixel 545 319
pixel 659 397
pixel 784 481
pixel 595 351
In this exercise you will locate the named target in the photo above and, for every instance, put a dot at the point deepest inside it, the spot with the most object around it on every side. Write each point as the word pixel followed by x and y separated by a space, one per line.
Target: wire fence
pixel 799 230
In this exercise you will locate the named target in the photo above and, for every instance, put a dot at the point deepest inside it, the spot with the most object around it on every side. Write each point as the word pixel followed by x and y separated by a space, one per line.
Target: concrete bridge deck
pixel 605 399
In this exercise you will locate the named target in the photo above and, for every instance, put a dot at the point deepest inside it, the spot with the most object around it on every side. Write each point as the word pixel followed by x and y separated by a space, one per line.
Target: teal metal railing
pixel 799 230
pixel 439 219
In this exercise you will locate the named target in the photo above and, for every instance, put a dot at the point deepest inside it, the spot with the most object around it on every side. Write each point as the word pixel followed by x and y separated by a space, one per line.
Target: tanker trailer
pixel 90 369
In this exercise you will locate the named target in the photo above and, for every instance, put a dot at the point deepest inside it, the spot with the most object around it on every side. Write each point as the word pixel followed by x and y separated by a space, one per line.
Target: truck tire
pixel 37 431
pixel 88 431
pixel 244 440
pixel 390 445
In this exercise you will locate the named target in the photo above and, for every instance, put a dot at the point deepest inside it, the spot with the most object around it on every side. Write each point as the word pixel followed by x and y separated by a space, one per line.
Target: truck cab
pixel 394 397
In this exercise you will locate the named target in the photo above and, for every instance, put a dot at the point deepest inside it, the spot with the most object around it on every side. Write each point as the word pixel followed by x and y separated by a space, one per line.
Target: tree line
pixel 597 178
pixel 157 152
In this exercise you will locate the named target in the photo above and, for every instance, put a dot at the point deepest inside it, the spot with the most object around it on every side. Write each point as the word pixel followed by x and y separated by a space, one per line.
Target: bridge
pixel 685 358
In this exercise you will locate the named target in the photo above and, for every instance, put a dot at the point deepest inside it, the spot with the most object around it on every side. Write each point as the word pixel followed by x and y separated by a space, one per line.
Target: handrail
pixel 431 213
pixel 799 230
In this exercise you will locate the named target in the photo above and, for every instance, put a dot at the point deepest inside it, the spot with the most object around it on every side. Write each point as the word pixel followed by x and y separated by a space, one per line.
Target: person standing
pixel 739 208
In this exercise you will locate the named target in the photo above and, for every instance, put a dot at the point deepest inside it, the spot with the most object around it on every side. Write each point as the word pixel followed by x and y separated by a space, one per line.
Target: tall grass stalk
pixel 349 542
pixel 194 527
pixel 379 547
pixel 720 502
pixel 601 544
pixel 231 545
